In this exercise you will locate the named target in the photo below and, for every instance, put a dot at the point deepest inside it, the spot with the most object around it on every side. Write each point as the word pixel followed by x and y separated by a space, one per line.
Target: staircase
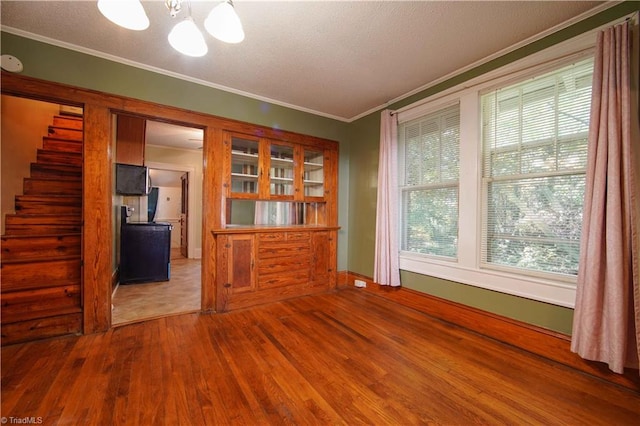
pixel 41 248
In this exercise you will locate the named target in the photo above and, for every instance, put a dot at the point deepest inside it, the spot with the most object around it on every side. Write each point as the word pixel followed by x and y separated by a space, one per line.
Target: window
pixel 430 147
pixel 534 137
pixel 492 176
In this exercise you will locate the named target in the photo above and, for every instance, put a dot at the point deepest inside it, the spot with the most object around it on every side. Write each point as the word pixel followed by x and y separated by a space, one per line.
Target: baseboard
pixel 540 341
pixel 197 253
pixel 342 278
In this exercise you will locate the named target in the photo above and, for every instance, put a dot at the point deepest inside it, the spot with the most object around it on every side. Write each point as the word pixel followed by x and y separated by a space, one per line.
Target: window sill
pixel 543 290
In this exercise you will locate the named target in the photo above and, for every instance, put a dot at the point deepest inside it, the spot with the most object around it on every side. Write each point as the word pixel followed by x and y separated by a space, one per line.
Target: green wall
pixel 363 146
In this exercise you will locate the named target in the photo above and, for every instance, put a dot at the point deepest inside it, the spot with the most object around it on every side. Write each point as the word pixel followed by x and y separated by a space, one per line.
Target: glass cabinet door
pixel 281 170
pixel 313 180
pixel 244 165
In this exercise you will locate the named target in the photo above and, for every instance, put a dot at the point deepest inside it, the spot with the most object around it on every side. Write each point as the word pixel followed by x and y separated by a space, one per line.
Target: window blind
pixel 431 151
pixel 534 137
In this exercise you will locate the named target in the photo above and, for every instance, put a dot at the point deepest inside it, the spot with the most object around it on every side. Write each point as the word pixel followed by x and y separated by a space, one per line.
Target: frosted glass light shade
pixel 127 13
pixel 224 24
pixel 186 38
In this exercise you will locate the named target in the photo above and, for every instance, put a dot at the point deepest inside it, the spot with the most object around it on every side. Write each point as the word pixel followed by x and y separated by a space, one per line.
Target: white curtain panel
pixel 606 324
pixel 386 265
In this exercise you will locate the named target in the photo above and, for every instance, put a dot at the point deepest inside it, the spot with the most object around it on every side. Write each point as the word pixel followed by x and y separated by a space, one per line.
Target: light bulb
pixel 127 13
pixel 224 24
pixel 186 38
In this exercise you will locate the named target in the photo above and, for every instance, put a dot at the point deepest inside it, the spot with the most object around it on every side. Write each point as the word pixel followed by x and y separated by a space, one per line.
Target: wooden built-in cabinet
pixel 296 179
pixel 257 266
pixel 130 136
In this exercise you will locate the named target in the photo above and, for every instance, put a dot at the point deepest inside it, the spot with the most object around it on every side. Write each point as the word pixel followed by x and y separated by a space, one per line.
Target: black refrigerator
pixel 145 251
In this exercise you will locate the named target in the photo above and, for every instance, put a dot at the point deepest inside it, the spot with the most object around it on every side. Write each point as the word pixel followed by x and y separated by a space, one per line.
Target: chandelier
pixel 222 23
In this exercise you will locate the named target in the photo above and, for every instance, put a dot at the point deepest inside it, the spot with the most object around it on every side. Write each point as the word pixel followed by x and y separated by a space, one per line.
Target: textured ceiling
pixel 337 59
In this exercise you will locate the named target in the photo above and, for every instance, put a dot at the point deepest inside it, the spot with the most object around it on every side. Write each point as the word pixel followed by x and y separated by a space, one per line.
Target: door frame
pixel 184 215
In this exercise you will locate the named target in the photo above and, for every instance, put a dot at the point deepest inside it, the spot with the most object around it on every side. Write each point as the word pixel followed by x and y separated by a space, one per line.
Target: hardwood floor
pixel 135 302
pixel 347 357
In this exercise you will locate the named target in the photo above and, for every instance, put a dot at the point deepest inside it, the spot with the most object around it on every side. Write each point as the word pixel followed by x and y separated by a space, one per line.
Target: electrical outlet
pixel 360 283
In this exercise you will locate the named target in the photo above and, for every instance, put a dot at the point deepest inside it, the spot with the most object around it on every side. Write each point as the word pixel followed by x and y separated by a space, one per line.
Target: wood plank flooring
pixel 135 302
pixel 347 357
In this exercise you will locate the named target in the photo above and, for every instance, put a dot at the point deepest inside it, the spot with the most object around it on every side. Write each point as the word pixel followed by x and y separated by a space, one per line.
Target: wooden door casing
pixel 184 215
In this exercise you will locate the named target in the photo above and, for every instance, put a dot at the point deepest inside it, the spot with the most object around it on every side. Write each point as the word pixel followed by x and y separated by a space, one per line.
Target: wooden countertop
pixel 244 229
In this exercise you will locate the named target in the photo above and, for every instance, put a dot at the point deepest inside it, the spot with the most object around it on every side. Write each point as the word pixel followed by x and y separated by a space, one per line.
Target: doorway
pixel 173 156
pixel 168 202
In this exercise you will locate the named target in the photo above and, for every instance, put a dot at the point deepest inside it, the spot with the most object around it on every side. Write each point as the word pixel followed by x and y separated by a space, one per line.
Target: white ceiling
pixel 164 134
pixel 340 59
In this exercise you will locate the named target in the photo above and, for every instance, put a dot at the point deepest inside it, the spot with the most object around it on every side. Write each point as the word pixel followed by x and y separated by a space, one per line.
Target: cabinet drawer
pixel 280 280
pixel 271 236
pixel 278 265
pixel 297 236
pixel 293 249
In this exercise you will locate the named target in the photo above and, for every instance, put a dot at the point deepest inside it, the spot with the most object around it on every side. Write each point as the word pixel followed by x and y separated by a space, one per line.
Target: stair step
pixel 43 327
pixel 65 133
pixel 64 145
pixel 40 274
pixel 16 224
pixel 40 186
pixel 18 248
pixel 27 305
pixel 57 157
pixel 36 260
pixel 55 171
pixel 68 121
pixel 48 204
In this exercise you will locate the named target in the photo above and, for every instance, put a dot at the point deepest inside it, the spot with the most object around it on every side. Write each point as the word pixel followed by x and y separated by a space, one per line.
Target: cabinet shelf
pixel 281 180
pixel 313 183
pixel 244 177
pixel 312 166
pixel 248 151
pixel 282 163
pixel 240 158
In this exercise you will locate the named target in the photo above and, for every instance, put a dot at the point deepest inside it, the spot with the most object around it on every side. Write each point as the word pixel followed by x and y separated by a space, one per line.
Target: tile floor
pixel 136 302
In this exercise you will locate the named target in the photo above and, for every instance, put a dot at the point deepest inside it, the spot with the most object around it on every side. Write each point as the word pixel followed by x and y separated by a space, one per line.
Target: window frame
pixel 403 189
pixel 468 268
pixel 522 176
